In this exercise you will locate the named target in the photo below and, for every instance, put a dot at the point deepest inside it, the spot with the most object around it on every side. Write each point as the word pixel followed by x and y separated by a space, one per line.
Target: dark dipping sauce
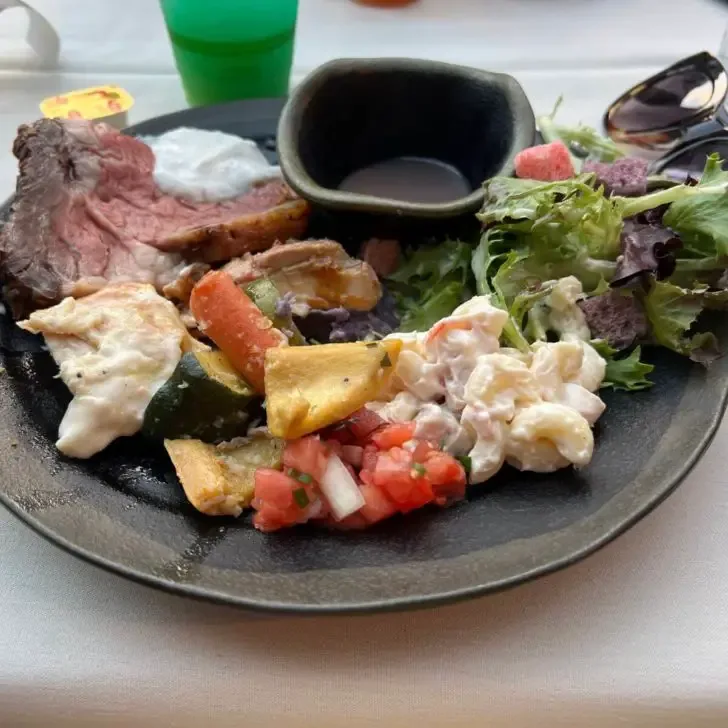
pixel 409 179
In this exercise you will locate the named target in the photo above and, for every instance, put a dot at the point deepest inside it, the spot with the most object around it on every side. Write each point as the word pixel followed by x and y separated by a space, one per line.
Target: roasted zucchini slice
pixel 205 398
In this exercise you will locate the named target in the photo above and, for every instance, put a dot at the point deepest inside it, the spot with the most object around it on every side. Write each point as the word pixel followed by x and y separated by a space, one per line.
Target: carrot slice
pixel 225 314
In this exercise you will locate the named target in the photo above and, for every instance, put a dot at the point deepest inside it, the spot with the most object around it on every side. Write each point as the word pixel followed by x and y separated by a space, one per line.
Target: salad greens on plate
pixel 649 265
pixel 431 283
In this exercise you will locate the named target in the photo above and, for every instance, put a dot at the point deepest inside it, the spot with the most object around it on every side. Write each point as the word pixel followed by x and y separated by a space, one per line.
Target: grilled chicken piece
pixel 115 349
pixel 319 273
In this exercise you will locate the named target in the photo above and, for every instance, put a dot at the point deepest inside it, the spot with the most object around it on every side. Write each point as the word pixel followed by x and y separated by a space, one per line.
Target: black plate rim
pixel 577 546
pixel 382 605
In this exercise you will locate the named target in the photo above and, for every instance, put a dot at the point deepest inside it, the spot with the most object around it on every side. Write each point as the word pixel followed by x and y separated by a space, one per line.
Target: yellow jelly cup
pixel 108 103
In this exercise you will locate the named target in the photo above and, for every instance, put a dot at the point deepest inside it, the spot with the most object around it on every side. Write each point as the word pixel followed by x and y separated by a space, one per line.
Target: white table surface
pixel 636 635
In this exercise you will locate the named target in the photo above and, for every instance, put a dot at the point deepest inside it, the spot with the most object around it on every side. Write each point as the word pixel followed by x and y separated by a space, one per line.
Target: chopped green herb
pixel 299 476
pixel 301 497
pixel 371 345
pixel 386 361
pixel 466 462
pixel 419 469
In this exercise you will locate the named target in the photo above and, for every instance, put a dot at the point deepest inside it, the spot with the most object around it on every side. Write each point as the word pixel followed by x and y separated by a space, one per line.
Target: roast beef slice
pixel 87 211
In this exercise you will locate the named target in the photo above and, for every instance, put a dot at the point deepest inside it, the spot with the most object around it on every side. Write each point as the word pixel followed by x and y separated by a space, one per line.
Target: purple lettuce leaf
pixel 647 248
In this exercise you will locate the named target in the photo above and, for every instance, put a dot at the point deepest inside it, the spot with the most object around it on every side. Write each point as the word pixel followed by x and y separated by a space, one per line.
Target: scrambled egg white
pixel 533 410
pixel 115 349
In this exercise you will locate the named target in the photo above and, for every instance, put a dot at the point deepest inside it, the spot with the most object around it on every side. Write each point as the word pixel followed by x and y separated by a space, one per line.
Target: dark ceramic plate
pixel 124 510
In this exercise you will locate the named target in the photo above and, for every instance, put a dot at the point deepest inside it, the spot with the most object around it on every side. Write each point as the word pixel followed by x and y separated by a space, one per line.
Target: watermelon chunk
pixel 545 163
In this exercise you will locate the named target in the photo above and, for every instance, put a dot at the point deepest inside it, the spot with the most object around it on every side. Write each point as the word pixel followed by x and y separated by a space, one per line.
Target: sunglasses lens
pixel 691 161
pixel 656 113
pixel 669 101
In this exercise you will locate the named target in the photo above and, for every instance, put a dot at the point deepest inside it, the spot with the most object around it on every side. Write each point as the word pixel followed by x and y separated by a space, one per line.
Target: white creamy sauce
pixel 565 316
pixel 208 166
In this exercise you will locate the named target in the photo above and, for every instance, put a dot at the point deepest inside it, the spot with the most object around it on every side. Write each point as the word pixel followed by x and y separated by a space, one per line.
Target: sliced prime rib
pixel 87 211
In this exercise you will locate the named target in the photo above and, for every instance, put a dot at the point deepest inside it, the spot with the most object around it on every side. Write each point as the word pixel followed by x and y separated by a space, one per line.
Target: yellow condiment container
pixel 103 103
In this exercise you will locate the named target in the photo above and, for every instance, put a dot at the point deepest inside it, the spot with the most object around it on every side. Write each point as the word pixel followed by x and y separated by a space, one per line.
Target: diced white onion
pixel 340 489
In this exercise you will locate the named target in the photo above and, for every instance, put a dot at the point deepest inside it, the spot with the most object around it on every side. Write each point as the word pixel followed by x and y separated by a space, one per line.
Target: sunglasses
pixel 678 114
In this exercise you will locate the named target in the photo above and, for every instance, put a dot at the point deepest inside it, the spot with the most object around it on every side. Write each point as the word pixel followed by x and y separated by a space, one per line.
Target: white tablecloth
pixel 636 635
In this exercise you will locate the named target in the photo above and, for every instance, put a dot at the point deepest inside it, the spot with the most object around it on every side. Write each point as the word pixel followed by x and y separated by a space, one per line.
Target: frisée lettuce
pixel 669 255
pixel 665 252
pixel 556 229
pixel 432 282
pixel 587 141
pixel 701 220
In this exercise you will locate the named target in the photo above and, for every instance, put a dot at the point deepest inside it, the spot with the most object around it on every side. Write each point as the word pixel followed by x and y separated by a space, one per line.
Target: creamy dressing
pixel 565 316
pixel 533 410
pixel 208 166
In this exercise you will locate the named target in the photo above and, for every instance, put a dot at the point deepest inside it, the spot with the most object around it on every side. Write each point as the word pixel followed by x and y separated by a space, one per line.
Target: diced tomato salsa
pixel 394 471
pixel 281 500
pixel 394 435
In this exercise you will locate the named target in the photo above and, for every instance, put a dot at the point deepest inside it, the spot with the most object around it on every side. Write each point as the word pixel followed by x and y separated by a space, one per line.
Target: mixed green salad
pixel 649 264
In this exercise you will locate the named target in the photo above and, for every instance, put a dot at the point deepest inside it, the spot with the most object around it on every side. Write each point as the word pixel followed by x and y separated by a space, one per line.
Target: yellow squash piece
pixel 310 387
pixel 220 480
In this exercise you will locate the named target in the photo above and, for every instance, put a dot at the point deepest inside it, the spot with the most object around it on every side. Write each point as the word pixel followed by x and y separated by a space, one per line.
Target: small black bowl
pixel 351 113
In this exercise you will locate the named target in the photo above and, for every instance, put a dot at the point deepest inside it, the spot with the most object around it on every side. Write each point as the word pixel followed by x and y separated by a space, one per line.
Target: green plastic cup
pixel 231 49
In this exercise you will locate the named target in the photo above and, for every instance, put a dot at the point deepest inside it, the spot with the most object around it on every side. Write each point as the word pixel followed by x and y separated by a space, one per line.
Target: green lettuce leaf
pixel 429 264
pixel 499 276
pixel 431 283
pixel 555 229
pixel 713 190
pixel 421 316
pixel 536 232
pixel 623 372
pixel 524 303
pixel 487 261
pixel 701 221
pixel 672 311
pixel 588 139
pixel 585 139
pixel 513 199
